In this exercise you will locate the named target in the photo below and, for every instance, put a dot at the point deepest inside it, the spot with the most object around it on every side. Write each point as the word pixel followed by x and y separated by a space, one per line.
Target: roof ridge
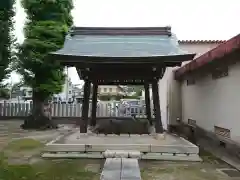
pixel 121 31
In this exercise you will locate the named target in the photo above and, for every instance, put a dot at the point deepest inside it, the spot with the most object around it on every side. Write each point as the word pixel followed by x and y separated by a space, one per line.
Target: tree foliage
pixel 47 24
pixel 4 92
pixel 6 36
pixel 48 21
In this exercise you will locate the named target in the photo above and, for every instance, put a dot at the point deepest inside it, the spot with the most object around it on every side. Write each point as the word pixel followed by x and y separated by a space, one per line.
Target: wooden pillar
pixel 85 108
pixel 94 104
pixel 157 110
pixel 148 103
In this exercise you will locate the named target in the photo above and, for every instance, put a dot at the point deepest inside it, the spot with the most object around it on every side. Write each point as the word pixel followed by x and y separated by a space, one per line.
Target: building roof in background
pixel 219 52
pixel 201 41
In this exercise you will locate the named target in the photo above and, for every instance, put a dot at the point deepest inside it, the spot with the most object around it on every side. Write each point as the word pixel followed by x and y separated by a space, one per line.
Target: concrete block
pixel 130 169
pixel 109 154
pixel 164 154
pixel 134 154
pixel 121 154
pixel 182 155
pixel 125 135
pixel 127 147
pixel 112 164
pixel 158 156
pixel 111 169
pixel 73 155
pixel 174 149
pixel 65 148
pixel 112 135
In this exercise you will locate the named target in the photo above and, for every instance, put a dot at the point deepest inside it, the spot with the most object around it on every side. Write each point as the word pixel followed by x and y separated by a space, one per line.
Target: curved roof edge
pixel 219 52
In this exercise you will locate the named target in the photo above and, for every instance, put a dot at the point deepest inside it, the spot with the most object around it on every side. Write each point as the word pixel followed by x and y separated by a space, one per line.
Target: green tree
pixel 48 21
pixel 4 92
pixel 6 42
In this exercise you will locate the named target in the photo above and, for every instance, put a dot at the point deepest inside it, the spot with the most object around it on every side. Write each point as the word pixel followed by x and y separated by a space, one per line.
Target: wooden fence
pixel 70 110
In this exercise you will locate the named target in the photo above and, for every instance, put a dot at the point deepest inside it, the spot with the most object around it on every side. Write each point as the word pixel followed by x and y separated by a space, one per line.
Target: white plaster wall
pixel 170 90
pixel 214 102
pixel 170 98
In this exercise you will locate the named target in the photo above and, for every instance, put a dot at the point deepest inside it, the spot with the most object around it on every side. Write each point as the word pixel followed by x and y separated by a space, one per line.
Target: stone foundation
pixel 161 147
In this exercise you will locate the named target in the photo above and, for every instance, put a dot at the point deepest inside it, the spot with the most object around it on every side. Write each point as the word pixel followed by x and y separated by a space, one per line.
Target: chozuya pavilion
pixel 121 56
pixel 124 56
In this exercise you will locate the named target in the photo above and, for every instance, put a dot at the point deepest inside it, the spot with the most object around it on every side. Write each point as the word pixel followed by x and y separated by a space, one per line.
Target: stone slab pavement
pixel 121 169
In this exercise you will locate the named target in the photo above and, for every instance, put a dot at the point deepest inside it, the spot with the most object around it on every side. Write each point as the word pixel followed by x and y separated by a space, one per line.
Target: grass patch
pixel 47 170
pixel 23 145
pixel 194 172
pixel 209 157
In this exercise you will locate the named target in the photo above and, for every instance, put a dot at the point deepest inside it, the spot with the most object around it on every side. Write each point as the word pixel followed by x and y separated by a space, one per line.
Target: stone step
pixel 130 169
pixel 148 156
pixel 112 169
pixel 122 154
pixel 121 169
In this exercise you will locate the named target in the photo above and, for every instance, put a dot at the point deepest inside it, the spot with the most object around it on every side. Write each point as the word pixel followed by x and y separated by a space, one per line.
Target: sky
pixel 189 19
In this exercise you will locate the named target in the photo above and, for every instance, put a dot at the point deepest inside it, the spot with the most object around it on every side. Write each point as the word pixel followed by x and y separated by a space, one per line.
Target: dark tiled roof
pixel 121 42
pixel 201 41
pixel 219 52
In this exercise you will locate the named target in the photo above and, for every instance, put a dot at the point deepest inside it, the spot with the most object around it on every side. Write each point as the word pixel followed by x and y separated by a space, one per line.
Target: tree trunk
pixel 40 117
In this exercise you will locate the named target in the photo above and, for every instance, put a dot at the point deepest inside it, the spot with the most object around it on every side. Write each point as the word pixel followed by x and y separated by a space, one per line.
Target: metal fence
pixel 71 110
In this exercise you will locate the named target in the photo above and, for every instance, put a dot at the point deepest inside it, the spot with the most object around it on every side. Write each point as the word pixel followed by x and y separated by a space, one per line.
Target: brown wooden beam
pixel 157 110
pixel 147 102
pixel 85 108
pixel 94 104
pixel 120 82
pixel 122 76
pixel 124 84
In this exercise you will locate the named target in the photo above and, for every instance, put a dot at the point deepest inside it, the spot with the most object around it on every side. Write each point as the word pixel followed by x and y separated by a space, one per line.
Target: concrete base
pixel 158 146
pixel 148 156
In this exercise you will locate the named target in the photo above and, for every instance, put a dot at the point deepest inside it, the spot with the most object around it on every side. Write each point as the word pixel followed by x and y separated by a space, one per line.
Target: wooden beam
pixel 94 104
pixel 147 102
pixel 85 108
pixel 157 110
pixel 93 60
pixel 120 82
